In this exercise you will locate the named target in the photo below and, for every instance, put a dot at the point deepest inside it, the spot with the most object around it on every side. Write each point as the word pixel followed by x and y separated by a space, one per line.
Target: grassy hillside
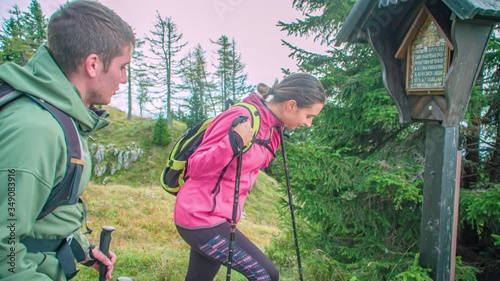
pixel 145 238
pixel 121 133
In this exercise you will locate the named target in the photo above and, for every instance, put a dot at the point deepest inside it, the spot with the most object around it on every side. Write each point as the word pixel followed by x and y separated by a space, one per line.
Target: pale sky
pixel 252 24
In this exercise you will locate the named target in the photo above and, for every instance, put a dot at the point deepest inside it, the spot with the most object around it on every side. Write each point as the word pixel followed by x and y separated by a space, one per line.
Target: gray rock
pixel 126 160
pixel 99 155
pixel 120 160
pixel 99 170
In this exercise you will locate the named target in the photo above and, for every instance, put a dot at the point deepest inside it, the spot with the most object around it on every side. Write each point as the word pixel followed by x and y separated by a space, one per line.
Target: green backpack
pixel 174 174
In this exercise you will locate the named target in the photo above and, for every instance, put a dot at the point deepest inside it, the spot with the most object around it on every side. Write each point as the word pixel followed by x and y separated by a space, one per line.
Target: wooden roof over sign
pixel 469 9
pixel 363 11
pixel 464 9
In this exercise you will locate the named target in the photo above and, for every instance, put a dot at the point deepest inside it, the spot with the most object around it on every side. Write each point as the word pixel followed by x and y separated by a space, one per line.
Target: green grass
pixel 145 240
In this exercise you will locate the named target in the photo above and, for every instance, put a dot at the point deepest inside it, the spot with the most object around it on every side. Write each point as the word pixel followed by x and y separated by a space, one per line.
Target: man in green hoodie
pixel 82 64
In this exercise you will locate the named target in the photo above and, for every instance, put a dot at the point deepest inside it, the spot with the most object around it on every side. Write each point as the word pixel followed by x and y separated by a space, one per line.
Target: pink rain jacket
pixel 198 205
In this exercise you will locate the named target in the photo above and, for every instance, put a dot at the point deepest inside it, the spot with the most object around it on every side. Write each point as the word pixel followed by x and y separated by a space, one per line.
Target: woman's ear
pixel 290 105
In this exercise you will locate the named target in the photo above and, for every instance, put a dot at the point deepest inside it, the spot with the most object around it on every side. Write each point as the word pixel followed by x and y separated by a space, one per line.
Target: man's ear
pixel 92 65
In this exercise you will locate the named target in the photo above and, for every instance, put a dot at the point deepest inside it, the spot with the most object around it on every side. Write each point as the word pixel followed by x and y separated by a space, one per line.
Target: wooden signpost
pixel 431 52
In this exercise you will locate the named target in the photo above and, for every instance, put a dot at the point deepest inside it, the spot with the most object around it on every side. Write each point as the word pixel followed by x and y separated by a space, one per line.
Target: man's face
pixel 108 82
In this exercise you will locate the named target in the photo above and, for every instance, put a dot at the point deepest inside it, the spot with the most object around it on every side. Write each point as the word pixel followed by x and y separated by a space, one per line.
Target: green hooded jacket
pixel 33 160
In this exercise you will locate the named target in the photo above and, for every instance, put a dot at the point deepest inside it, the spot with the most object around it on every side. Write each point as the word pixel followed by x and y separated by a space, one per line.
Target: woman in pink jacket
pixel 203 208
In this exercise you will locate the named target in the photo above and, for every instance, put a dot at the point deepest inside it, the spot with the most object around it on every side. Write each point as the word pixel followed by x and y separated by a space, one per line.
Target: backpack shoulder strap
pixel 66 192
pixel 7 94
pixel 256 120
pixel 254 113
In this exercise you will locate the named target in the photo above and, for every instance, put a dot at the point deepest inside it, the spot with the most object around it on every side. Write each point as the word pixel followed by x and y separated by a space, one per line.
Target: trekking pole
pixel 232 235
pixel 104 248
pixel 290 201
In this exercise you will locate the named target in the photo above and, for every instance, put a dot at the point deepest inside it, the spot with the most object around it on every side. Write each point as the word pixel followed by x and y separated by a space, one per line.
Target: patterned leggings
pixel 209 249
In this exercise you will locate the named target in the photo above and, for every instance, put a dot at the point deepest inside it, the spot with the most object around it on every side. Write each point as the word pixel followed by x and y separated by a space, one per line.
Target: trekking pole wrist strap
pixel 90 257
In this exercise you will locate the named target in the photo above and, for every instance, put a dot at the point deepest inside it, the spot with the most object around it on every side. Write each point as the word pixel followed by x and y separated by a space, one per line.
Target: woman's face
pixel 294 117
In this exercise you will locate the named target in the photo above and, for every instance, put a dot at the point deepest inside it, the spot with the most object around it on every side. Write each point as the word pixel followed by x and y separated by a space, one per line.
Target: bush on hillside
pixel 161 136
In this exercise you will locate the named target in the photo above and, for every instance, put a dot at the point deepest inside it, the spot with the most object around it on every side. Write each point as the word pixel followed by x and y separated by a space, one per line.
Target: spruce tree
pixel 12 45
pixel 230 73
pixel 165 43
pixel 238 86
pixel 35 24
pixel 223 71
pixel 195 81
pixel 138 78
pixel 22 33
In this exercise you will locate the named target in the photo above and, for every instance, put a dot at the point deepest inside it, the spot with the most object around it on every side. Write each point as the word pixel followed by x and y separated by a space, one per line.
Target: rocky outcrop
pixel 109 160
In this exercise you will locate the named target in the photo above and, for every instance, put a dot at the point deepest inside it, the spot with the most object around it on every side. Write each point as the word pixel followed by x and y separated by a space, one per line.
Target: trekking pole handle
pixel 238 120
pixel 104 248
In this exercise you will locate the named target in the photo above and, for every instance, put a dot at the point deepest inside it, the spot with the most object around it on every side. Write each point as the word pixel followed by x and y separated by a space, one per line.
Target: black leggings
pixel 209 248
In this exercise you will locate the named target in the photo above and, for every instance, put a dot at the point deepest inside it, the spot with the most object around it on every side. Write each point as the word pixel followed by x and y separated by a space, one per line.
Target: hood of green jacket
pixel 41 77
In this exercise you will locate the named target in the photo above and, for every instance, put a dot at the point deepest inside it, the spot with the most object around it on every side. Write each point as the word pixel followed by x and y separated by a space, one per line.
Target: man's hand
pixel 94 255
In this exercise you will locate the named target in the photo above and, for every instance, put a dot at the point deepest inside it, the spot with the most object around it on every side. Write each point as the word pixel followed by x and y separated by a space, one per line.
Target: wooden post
pixel 438 207
pixel 455 215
